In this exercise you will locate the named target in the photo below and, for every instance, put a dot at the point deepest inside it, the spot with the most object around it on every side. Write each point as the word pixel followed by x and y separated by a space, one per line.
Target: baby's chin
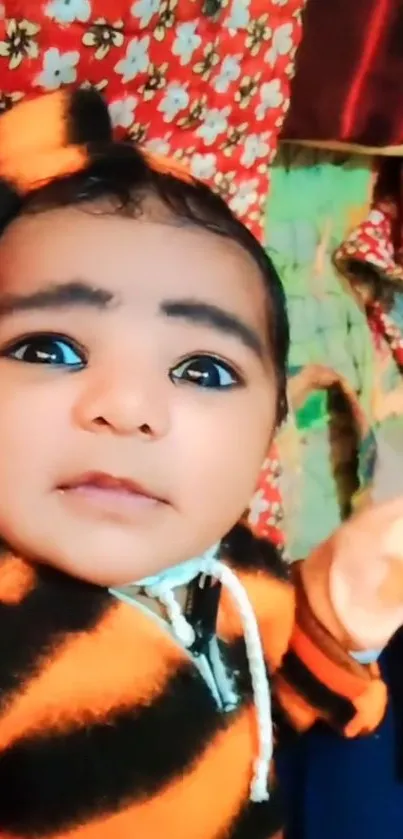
pixel 108 568
pixel 110 554
pixel 114 562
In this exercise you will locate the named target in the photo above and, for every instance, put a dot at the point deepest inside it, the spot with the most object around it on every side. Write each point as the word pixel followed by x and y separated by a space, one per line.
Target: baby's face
pixel 137 391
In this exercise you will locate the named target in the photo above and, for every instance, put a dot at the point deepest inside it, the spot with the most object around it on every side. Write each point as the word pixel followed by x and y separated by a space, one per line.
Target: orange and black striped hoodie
pixel 109 731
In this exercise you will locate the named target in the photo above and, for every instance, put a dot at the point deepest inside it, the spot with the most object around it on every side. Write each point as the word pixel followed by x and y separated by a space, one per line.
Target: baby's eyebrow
pixel 79 294
pixel 57 296
pixel 215 317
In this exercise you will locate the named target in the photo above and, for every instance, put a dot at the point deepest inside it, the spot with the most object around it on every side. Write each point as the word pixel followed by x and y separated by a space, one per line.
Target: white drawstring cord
pixel 257 666
pixel 183 631
pixel 162 590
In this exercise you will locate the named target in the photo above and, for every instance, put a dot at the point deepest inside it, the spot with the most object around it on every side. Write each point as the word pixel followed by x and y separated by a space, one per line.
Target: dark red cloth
pixel 349 74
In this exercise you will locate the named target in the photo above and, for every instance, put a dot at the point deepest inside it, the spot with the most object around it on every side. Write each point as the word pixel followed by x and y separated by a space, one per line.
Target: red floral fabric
pixel 372 243
pixel 211 91
pixel 377 243
pixel 378 240
pixel 382 325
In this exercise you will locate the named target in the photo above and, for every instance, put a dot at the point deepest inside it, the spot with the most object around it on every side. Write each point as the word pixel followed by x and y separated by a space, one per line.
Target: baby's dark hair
pixel 121 175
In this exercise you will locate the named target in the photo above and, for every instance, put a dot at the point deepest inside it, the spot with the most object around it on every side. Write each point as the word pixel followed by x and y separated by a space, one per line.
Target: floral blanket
pixel 204 80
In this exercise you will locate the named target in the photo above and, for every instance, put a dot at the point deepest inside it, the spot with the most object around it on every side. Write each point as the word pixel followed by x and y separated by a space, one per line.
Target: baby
pixel 143 347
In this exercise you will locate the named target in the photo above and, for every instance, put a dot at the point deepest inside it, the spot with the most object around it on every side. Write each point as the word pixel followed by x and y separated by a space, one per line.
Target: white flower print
pixel 258 506
pixel 281 44
pixel 102 36
pixel 203 166
pixel 159 145
pixel 215 123
pixel 255 148
pixel 175 99
pixel 279 121
pixel 270 97
pixel 19 42
pixel 271 467
pixel 229 72
pixel 122 112
pixel 144 10
pixel 376 217
pixel 58 69
pixel 376 260
pixel 267 467
pixel 239 16
pixel 282 38
pixel 99 86
pixel 186 42
pixel 136 60
pixel 280 2
pixel 67 11
pixel 275 514
pixel 245 196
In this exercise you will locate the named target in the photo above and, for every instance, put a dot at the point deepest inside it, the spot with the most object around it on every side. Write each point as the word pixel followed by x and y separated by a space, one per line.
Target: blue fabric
pixel 339 789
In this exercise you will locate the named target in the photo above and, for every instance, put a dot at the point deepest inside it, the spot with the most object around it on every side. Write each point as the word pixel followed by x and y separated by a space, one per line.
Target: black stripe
pixel 340 709
pixel 57 605
pixel 236 660
pixel 259 821
pixel 249 553
pixel 56 781
pixel 10 202
pixel 88 120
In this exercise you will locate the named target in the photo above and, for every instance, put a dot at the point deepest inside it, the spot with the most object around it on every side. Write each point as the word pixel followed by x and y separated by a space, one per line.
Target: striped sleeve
pixel 319 680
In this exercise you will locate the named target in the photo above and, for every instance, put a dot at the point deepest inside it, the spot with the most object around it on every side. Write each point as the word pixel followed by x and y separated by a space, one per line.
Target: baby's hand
pixel 354 581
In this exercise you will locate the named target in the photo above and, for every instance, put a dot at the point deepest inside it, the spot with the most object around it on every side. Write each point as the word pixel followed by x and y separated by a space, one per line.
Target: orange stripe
pixel 300 713
pixel 126 660
pixel 17 579
pixel 34 147
pixel 201 804
pixel 34 123
pixel 39 169
pixel 326 671
pixel 273 602
pixel 167 166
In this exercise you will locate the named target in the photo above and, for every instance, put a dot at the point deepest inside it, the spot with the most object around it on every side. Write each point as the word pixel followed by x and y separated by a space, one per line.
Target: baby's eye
pixel 46 349
pixel 205 371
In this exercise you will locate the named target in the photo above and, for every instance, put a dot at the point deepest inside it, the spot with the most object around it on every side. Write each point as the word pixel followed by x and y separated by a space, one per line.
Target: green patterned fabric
pixel 314 199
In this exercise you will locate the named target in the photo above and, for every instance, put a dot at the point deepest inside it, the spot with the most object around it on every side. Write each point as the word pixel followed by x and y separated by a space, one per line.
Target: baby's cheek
pixel 222 489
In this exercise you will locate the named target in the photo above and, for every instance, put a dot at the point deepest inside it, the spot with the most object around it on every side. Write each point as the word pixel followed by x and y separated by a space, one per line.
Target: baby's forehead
pixel 138 225
pixel 129 252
